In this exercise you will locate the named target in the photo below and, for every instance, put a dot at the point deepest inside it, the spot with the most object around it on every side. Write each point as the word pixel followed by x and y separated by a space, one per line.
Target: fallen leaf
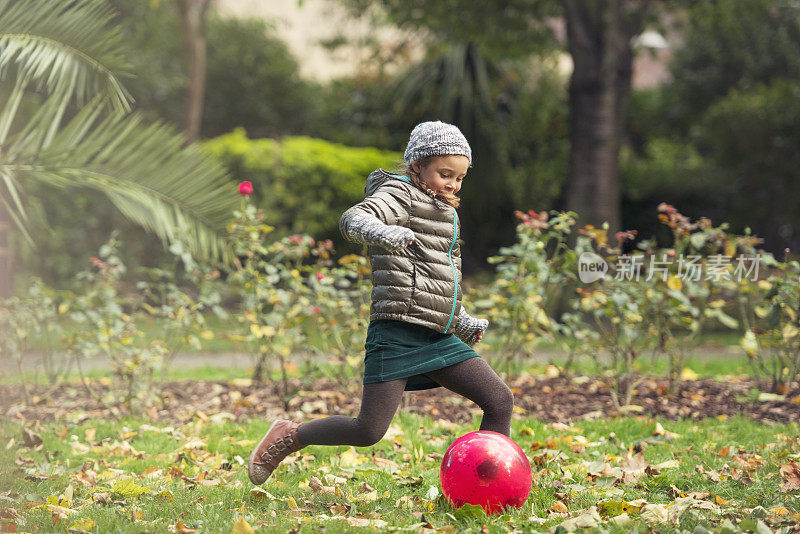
pixel 31 439
pixel 654 514
pixel 316 486
pixel 384 462
pixel 59 512
pixel 366 522
pixel 366 497
pixel 432 493
pixel 711 474
pixel 180 528
pixel 165 494
pixel 771 397
pixel 589 518
pixel 622 520
pixel 669 464
pixel 615 508
pixel 688 374
pixel 559 507
pixel 260 494
pixel 790 472
pixel 101 498
pixel 633 468
pixel 241 526
pixel 83 525
pixel 127 487
pixel 340 509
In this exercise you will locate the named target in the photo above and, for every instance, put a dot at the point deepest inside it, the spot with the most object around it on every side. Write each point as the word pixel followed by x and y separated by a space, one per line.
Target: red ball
pixel 485 468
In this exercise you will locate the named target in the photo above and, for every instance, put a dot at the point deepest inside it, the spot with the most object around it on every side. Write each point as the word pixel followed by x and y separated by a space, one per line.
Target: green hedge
pixel 303 184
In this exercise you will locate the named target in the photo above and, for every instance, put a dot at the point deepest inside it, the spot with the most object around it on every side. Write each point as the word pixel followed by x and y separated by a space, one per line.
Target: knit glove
pixel 368 229
pixel 468 327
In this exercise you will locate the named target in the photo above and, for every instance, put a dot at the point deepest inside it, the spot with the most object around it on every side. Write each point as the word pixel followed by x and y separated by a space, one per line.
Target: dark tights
pixel 472 378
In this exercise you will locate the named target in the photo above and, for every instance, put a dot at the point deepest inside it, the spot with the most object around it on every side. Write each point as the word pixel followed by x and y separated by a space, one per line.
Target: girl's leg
pixel 477 381
pixel 379 402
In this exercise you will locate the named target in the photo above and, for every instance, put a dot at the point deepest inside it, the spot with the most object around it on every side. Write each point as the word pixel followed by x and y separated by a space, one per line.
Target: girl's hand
pixel 478 337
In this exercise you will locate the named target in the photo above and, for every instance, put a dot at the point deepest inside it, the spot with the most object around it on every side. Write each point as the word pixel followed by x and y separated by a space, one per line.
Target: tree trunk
pixel 5 253
pixel 193 24
pixel 598 37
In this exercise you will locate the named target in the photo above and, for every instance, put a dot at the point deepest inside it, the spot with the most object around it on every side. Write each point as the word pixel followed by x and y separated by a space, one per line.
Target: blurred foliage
pixel 355 112
pixel 772 338
pixel 69 225
pixel 753 137
pixel 709 142
pixel 303 184
pixel 252 78
pixel 721 139
pixel 735 44
pixel 507 29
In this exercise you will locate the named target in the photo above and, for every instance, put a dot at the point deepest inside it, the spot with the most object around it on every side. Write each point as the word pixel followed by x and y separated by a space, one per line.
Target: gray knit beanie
pixel 436 138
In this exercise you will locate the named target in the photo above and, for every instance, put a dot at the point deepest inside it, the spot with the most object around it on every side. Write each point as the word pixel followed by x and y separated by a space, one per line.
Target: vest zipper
pixel 449 254
pixel 455 274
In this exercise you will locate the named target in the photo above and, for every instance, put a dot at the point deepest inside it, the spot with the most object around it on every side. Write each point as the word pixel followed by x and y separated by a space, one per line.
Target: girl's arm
pixel 379 219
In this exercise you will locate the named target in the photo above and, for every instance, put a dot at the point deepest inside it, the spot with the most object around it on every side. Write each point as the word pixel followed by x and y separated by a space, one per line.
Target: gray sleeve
pixel 379 219
pixel 467 326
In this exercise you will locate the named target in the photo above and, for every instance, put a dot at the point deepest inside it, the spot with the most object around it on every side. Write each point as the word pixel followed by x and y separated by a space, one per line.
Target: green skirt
pixel 397 349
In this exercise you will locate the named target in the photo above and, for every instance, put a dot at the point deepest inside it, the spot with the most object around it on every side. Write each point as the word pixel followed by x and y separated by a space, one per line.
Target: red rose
pixel 245 188
pixel 319 276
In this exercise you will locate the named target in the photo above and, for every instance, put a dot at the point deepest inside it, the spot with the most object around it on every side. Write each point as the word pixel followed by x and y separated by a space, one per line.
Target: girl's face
pixel 443 174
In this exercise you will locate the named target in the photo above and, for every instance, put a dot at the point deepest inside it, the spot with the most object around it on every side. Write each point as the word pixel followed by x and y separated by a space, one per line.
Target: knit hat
pixel 436 138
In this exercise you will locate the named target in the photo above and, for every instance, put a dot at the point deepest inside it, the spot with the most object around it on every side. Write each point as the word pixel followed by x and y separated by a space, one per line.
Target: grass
pixel 220 343
pixel 715 365
pixel 164 499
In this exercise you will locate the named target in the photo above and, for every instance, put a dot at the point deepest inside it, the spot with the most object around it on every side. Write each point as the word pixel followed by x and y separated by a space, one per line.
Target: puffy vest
pixel 421 283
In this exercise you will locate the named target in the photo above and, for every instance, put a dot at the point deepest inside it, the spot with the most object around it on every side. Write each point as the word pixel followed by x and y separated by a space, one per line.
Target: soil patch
pixel 563 399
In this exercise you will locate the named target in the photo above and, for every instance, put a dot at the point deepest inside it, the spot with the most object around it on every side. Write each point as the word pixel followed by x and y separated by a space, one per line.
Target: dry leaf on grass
pixel 241 526
pixel 790 472
pixel 180 528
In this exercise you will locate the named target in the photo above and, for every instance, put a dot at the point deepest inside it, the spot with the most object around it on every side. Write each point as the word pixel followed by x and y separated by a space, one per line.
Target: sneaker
pixel 279 441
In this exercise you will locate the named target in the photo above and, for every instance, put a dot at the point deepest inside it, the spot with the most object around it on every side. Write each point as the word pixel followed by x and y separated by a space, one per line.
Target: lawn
pixel 720 455
pixel 136 476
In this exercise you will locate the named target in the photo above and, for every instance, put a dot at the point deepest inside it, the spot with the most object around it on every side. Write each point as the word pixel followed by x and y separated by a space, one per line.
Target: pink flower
pixel 625 236
pixel 537 221
pixel 666 208
pixel 245 188
pixel 319 276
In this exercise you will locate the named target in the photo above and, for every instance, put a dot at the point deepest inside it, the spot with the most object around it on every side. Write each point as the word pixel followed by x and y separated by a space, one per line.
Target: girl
pixel 419 335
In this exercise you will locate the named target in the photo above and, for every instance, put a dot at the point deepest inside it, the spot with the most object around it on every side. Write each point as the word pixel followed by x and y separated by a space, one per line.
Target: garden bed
pixel 550 399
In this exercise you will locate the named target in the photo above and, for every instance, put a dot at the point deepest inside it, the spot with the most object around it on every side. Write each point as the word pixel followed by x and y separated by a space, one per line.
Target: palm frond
pixel 64 47
pixel 177 193
pixel 12 202
pixel 453 83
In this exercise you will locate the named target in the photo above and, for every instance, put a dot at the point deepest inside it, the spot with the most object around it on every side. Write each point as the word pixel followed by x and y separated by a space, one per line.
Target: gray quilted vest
pixel 421 283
